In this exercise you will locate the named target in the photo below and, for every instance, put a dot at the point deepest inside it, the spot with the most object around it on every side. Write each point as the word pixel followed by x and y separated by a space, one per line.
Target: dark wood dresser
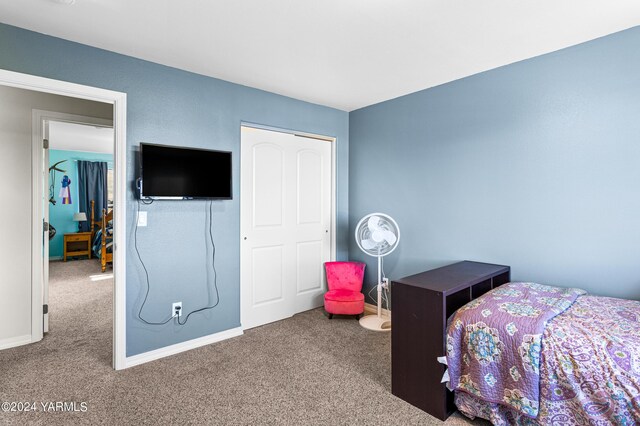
pixel 420 306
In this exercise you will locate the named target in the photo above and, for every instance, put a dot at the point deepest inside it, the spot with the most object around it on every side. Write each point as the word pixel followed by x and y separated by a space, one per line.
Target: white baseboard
pixel 15 341
pixel 145 357
pixel 373 309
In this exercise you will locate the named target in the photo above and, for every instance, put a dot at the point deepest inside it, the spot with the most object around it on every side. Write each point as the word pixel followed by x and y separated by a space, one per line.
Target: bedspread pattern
pixel 590 369
pixel 97 242
pixel 494 343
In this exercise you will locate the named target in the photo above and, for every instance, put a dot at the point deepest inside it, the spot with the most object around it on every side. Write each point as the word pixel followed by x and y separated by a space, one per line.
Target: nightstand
pixel 77 244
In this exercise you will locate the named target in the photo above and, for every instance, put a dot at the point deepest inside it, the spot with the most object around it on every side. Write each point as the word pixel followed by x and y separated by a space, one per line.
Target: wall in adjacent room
pixel 61 215
pixel 173 107
pixel 534 165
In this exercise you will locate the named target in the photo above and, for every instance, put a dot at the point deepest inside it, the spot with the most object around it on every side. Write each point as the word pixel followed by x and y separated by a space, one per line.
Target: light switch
pixel 142 218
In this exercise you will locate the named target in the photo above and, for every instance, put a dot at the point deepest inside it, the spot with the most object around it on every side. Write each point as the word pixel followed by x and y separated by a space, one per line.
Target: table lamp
pixel 80 217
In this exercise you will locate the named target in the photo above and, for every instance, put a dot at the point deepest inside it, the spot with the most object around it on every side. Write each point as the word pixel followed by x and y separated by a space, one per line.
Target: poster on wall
pixel 65 191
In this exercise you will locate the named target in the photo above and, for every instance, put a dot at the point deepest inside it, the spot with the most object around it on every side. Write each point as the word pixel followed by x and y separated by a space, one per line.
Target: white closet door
pixel 285 224
pixel 311 225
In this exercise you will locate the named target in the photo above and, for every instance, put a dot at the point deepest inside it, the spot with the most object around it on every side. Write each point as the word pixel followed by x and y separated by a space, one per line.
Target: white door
pixel 45 237
pixel 285 224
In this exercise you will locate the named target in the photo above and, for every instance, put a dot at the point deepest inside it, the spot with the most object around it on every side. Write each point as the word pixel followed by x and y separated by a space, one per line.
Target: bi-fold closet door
pixel 286 231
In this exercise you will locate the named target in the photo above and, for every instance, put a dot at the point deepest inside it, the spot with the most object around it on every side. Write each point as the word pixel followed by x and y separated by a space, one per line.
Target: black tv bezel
pixel 177 198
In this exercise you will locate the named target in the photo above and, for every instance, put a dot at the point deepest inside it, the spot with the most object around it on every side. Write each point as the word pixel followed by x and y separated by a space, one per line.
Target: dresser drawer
pixel 76 238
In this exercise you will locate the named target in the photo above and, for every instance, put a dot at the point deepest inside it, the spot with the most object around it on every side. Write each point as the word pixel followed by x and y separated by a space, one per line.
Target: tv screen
pixel 184 173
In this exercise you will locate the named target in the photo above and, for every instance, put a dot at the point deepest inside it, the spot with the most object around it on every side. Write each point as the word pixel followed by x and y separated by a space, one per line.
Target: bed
pixel 531 354
pixel 102 236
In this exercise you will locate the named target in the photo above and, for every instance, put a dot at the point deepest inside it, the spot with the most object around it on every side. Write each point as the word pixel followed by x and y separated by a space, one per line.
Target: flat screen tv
pixel 177 173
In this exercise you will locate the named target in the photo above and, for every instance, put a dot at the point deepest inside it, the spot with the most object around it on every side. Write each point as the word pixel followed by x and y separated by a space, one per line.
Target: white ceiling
pixel 80 137
pixel 345 54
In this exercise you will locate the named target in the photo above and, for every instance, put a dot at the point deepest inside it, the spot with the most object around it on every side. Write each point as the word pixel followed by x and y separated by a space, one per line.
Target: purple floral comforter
pixel 494 343
pixel 589 369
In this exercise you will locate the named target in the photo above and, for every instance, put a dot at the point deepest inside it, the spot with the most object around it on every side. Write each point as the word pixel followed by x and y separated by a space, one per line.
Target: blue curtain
pixel 92 185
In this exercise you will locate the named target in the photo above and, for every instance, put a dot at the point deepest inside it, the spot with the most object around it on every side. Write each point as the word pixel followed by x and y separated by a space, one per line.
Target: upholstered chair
pixel 344 280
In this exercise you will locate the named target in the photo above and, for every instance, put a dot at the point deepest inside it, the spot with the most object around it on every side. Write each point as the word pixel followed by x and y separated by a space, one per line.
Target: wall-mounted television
pixel 177 173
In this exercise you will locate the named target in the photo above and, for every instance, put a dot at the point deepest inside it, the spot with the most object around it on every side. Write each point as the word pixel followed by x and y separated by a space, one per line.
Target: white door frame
pixel 334 207
pixel 38 133
pixel 119 102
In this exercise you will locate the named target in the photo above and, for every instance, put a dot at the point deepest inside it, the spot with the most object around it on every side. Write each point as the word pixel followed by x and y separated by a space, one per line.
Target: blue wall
pixel 534 165
pixel 169 106
pixel 61 215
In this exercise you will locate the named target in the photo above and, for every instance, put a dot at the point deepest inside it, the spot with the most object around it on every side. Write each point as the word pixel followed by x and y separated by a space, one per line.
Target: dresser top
pixel 451 278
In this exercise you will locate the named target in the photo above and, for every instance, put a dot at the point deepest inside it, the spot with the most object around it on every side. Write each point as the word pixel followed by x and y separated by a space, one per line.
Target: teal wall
pixel 61 215
pixel 534 165
pixel 174 107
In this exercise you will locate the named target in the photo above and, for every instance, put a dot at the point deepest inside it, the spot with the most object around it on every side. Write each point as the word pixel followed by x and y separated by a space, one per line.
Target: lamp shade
pixel 80 217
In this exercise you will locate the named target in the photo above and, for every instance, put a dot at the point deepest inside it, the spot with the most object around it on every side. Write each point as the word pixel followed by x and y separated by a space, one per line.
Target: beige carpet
pixel 303 370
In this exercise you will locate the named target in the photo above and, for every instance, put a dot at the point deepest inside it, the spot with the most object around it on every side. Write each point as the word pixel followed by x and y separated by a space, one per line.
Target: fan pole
pixel 379 286
pixel 377 322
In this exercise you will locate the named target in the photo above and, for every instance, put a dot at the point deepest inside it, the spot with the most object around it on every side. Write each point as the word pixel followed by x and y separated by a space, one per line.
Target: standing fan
pixel 377 235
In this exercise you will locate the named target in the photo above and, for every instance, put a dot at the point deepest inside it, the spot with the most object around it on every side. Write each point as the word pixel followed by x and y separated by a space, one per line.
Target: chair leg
pixel 330 316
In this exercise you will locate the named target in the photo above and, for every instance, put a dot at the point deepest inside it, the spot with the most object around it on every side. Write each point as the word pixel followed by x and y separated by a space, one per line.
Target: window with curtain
pixel 92 186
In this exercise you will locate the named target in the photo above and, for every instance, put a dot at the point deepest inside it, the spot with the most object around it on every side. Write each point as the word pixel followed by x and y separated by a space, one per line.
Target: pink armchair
pixel 344 280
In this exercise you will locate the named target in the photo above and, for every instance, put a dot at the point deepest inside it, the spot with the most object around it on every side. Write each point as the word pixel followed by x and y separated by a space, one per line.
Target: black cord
pixel 135 245
pixel 215 273
pixel 213 264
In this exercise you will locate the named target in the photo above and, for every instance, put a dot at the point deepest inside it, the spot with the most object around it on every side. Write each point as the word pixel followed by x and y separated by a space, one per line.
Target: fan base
pixel 376 323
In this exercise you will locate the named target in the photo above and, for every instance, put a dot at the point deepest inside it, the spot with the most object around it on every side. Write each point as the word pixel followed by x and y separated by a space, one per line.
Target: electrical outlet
pixel 176 309
pixel 142 218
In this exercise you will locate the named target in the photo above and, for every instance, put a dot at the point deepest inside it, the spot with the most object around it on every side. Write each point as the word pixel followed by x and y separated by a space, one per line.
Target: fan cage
pixel 364 233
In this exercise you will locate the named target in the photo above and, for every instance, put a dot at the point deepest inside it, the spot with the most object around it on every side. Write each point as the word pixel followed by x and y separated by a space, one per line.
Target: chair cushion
pixel 344 308
pixel 344 296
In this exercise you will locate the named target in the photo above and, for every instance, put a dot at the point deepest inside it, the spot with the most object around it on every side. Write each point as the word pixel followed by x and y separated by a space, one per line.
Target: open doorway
pixel 28 107
pixel 78 271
